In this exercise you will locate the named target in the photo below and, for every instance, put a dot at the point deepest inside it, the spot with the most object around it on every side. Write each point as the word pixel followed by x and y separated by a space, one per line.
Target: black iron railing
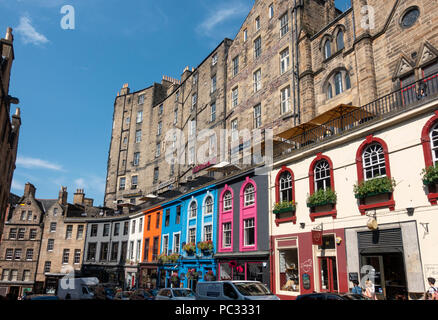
pixel 404 98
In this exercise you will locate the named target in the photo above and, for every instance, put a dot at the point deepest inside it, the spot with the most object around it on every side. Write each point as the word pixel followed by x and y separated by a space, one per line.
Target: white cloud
pixel 16 185
pixel 26 162
pixel 220 15
pixel 28 32
pixel 91 183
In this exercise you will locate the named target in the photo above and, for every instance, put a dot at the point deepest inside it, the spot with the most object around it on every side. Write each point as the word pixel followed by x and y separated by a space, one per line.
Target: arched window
pixel 340 40
pixel 193 210
pixel 249 195
pixel 327 49
pixel 374 165
pixel 338 83
pixel 322 175
pixel 329 91
pixel 434 144
pixel 347 81
pixel 285 187
pixel 227 201
pixel 209 205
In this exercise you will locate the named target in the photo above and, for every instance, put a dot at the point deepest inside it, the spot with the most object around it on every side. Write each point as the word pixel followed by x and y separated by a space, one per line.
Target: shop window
pixel 289 277
pixel 225 271
pixel 254 271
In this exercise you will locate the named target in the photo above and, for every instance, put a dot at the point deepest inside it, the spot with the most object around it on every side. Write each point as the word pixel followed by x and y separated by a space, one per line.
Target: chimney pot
pixel 9 35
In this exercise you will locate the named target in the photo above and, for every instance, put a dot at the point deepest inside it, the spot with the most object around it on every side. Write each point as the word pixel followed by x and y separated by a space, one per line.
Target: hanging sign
pixel 317 237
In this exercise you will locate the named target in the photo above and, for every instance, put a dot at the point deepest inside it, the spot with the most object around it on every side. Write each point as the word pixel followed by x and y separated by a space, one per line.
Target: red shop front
pixel 299 266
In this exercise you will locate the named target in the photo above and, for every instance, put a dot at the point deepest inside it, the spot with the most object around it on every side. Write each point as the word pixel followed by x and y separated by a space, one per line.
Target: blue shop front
pixel 188 239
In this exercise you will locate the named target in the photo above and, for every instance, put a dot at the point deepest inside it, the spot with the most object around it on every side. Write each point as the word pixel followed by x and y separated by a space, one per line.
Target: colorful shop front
pixel 188 239
pixel 243 228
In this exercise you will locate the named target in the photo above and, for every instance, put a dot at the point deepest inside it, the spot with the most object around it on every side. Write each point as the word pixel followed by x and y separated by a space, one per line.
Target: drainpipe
pixel 297 64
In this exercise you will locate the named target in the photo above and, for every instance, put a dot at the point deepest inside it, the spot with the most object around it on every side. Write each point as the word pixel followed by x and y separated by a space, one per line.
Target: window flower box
pixel 374 187
pixel 430 176
pixel 206 247
pixel 282 207
pixel 321 198
pixel 284 212
pixel 190 249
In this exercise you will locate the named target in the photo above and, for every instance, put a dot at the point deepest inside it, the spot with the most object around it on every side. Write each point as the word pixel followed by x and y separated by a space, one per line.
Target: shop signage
pixel 353 276
pixel 133 195
pixel 317 237
pixel 307 265
pixel 204 166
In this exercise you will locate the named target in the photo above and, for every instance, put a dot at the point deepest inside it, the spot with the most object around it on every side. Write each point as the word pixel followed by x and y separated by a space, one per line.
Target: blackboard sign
pixel 353 276
pixel 306 281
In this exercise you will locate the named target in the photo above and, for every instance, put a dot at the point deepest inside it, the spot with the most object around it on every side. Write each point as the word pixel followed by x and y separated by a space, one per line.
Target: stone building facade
pixel 63 239
pixel 20 244
pixel 9 128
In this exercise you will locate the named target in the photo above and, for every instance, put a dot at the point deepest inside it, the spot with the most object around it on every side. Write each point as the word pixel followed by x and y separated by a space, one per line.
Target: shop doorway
pixel 389 274
pixel 14 292
pixel 328 274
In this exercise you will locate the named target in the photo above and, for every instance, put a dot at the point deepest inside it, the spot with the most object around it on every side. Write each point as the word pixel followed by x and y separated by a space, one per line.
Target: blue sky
pixel 67 80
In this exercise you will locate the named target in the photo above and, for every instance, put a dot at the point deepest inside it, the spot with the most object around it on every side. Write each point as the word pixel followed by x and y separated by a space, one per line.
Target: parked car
pixel 354 296
pixel 76 288
pixel 102 292
pixel 122 295
pixel 233 290
pixel 141 294
pixel 45 297
pixel 175 294
pixel 321 296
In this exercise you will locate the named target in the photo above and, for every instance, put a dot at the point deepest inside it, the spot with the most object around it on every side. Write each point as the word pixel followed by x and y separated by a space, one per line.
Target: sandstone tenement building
pixel 290 62
pixel 9 128
pixel 44 240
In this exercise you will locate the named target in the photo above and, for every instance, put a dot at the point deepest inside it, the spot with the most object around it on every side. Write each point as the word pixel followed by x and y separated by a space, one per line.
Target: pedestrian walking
pixel 370 290
pixel 356 289
pixel 432 292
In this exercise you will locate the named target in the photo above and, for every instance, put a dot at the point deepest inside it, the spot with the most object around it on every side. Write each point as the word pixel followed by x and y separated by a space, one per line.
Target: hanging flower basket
pixel 163 258
pixel 192 274
pixel 284 206
pixel 209 276
pixel 173 257
pixel 174 278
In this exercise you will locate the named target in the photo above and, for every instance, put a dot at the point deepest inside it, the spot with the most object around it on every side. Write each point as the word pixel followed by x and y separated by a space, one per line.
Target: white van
pixel 233 290
pixel 76 288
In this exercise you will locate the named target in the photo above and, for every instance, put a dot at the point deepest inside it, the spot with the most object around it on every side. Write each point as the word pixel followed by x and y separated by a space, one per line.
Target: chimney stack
pixel 88 202
pixel 62 198
pixel 125 90
pixel 9 36
pixel 186 74
pixel 29 190
pixel 78 197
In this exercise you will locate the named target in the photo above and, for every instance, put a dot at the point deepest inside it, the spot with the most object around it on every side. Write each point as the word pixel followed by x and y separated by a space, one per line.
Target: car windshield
pixel 183 293
pixel 252 289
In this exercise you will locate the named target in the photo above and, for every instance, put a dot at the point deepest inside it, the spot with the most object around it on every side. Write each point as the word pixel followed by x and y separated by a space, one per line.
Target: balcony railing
pixel 420 91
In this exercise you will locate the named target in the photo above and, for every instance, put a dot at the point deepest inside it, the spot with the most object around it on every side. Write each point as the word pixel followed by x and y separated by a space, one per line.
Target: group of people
pixel 369 290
